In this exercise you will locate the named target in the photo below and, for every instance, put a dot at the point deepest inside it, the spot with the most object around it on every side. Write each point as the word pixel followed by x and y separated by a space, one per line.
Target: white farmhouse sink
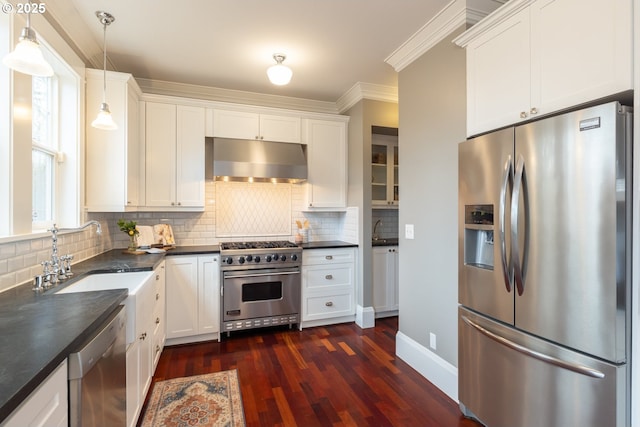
pixel 108 281
pixel 133 281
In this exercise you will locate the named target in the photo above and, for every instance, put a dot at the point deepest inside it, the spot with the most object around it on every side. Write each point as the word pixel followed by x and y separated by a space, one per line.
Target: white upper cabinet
pixel 113 158
pixel 250 125
pixel 327 164
pixel 174 147
pixel 533 58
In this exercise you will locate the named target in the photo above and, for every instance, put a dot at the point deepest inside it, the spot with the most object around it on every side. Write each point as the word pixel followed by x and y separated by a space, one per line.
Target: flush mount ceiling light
pixel 27 57
pixel 279 74
pixel 104 119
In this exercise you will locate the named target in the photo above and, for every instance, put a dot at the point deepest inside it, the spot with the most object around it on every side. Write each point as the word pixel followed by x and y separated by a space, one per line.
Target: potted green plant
pixel 129 227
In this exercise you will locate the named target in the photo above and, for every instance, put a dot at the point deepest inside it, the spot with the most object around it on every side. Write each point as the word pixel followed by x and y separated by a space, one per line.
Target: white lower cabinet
pixel 328 286
pixel 47 405
pixel 385 281
pixel 142 352
pixel 193 298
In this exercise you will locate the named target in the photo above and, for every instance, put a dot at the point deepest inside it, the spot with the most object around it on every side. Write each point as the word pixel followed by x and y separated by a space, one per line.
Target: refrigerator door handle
pixel 515 200
pixel 580 369
pixel 506 177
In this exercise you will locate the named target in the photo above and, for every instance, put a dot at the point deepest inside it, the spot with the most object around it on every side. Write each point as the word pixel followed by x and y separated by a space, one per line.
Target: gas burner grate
pixel 274 244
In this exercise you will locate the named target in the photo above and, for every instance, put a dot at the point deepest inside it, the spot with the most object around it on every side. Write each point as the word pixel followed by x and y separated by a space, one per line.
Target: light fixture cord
pixel 104 68
pixel 29 15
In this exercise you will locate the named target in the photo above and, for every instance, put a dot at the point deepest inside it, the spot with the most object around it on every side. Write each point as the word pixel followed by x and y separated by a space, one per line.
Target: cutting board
pixel 145 236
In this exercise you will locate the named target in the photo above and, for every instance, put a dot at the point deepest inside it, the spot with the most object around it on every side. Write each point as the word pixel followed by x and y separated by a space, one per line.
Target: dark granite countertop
pixel 385 242
pixel 193 250
pixel 39 330
pixel 328 244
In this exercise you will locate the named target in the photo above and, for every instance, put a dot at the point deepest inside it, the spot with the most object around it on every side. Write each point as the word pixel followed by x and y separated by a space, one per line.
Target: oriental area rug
pixel 210 400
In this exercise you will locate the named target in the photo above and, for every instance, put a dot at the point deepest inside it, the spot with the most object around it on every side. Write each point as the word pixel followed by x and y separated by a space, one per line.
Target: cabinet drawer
pixel 317 278
pixel 327 256
pixel 322 307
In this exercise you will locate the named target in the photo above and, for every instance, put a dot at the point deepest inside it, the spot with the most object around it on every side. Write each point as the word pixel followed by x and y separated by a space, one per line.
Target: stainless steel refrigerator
pixel 544 272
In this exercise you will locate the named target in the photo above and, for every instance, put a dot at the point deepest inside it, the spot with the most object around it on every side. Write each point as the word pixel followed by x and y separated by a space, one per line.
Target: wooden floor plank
pixel 337 375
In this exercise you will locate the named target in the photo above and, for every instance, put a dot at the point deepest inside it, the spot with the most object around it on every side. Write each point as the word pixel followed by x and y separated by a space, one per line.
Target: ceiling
pixel 330 45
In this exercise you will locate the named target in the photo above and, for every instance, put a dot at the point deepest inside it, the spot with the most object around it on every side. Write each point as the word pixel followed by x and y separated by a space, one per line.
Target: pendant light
pixel 27 57
pixel 279 74
pixel 104 119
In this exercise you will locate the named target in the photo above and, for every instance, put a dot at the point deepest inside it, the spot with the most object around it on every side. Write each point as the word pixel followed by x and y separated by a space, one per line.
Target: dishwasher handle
pixel 100 345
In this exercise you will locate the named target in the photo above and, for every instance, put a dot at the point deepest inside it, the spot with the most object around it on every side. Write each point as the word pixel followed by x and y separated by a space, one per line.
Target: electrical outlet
pixel 432 340
pixel 408 231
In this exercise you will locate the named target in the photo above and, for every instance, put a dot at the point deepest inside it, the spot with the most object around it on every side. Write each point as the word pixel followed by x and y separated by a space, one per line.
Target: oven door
pixel 260 293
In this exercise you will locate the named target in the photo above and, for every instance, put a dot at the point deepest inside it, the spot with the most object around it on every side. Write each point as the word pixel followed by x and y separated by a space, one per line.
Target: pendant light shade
pixel 104 120
pixel 27 57
pixel 279 74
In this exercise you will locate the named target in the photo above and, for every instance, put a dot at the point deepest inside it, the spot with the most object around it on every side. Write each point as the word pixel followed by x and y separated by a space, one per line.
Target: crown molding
pixel 496 17
pixel 209 93
pixel 360 91
pixel 452 16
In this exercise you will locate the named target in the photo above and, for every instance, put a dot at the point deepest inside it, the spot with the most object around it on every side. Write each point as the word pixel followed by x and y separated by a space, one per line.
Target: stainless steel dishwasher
pixel 98 377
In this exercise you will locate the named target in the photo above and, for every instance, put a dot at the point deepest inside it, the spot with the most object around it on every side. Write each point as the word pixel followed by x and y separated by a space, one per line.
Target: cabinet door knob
pixel 533 111
pixel 157 349
pixel 173 203
pixel 329 304
pixel 328 277
pixel 523 115
pixel 157 297
pixel 157 320
pixel 157 277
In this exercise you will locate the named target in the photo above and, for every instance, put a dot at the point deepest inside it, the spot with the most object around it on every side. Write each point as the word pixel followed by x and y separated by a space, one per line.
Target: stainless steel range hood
pixel 251 160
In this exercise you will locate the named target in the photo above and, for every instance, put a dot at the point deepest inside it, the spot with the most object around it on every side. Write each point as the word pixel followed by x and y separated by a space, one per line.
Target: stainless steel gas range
pixel 260 284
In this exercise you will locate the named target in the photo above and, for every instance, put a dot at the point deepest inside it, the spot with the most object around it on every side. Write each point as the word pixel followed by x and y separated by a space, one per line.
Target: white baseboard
pixel 431 366
pixel 365 317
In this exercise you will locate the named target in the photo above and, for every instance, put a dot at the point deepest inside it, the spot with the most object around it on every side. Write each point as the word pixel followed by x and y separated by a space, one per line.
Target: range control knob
pixel 249 258
pixel 257 259
pixel 276 257
pixel 229 260
pixel 283 257
pixel 294 257
pixel 241 260
pixel 268 259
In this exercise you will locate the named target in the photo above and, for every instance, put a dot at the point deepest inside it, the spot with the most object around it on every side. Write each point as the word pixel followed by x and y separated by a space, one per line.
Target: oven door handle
pixel 274 273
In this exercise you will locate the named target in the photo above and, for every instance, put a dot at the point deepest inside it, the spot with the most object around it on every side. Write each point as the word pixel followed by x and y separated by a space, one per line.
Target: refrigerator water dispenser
pixel 478 236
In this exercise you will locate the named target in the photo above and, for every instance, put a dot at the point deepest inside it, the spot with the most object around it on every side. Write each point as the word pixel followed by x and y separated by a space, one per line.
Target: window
pixel 41 145
pixel 43 152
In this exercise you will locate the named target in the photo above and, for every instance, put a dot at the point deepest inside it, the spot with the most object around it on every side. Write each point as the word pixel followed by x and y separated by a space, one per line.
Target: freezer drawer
pixel 507 378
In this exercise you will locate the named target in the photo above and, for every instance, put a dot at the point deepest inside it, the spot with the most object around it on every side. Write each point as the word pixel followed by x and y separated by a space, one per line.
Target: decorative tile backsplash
pixel 255 209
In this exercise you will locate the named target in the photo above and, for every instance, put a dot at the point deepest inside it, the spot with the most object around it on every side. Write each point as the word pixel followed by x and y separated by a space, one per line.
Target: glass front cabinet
pixel 384 171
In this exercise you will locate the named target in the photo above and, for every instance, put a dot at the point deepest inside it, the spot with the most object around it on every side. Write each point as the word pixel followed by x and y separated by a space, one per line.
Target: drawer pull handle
pixel 157 297
pixel 329 304
pixel 157 349
pixel 143 336
pixel 329 257
pixel 157 320
pixel 157 277
pixel 328 277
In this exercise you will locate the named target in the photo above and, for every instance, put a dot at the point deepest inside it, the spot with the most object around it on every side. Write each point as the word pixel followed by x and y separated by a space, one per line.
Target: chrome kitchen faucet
pixel 58 267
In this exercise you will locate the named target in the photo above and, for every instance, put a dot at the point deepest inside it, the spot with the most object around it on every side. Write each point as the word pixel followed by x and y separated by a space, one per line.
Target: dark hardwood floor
pixel 325 376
